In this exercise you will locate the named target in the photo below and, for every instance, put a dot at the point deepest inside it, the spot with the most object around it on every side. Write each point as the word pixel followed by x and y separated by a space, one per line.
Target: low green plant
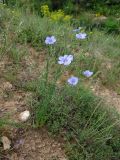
pixel 112 25
pixel 32 31
pixel 107 10
pixel 10 75
pixel 105 53
pixel 112 77
pixel 78 116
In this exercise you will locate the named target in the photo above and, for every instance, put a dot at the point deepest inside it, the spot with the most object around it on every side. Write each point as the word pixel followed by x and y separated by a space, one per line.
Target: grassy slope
pixel 88 129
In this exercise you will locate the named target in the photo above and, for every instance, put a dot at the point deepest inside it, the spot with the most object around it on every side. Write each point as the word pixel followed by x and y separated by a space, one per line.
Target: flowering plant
pixel 56 15
pixel 87 73
pixel 45 10
pixel 66 59
pixel 50 40
pixel 73 80
pixel 81 36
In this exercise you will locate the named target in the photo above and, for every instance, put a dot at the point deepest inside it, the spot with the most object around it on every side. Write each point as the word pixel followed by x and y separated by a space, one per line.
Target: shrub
pixel 112 25
pixel 57 16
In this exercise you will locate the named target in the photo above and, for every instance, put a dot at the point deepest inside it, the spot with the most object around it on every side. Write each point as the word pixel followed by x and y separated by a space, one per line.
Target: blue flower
pixel 81 36
pixel 50 40
pixel 65 60
pixel 87 73
pixel 73 80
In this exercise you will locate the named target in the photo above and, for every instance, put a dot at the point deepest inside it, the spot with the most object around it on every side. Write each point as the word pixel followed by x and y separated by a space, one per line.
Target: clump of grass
pixel 103 54
pixel 112 25
pixel 112 77
pixel 17 54
pixel 80 118
pixel 32 31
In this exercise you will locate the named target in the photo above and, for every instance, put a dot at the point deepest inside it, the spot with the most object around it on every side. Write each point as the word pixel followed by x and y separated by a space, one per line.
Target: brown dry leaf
pixel 6 143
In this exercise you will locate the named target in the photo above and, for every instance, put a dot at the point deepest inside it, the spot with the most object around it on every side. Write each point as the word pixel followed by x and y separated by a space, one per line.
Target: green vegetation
pixel 81 119
pixel 89 129
pixel 109 7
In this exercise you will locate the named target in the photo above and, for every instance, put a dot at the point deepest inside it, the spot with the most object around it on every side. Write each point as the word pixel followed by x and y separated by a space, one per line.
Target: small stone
pixel 18 143
pixel 7 85
pixel 6 143
pixel 24 116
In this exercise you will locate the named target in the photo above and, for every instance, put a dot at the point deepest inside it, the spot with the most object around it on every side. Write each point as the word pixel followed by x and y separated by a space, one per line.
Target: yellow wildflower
pixel 97 15
pixel 45 10
pixel 57 16
pixel 67 18
pixel 91 33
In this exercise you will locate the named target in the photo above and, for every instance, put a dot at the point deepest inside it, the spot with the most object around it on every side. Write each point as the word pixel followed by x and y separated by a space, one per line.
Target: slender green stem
pixel 47 65
pixel 47 70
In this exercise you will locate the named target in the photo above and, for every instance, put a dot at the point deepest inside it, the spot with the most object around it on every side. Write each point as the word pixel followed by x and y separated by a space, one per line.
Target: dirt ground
pixel 111 98
pixel 34 145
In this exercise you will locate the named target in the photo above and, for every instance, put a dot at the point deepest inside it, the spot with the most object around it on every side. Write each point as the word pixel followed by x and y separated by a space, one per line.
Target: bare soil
pixel 34 145
pixel 110 97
